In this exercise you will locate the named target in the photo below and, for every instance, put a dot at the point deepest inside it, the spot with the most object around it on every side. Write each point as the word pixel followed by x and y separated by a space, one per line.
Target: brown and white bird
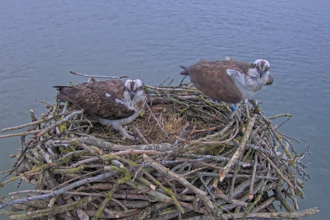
pixel 114 102
pixel 229 80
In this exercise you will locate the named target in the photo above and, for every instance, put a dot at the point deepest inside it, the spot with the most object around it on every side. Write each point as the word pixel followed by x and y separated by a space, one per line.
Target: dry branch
pixel 240 149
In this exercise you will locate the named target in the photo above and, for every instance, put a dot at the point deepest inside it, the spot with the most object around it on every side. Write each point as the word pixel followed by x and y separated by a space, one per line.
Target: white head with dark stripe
pixel 259 68
pixel 258 73
pixel 133 90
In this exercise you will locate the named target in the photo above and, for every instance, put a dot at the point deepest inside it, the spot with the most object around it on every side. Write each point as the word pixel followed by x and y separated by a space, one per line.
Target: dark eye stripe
pixel 132 85
pixel 138 89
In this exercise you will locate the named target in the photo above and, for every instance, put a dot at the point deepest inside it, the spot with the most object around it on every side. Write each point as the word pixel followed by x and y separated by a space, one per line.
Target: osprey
pixel 228 80
pixel 114 102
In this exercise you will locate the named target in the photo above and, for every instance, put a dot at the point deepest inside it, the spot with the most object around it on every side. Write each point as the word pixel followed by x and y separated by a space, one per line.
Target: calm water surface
pixel 41 41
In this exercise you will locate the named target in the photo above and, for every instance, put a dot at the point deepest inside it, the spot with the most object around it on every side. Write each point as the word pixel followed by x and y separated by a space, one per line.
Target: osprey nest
pixel 190 160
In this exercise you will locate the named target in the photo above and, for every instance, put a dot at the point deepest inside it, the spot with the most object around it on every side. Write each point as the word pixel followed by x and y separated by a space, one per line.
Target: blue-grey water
pixel 41 41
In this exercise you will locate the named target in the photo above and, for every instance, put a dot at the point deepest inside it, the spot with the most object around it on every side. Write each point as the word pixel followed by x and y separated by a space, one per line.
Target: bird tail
pixel 62 95
pixel 185 71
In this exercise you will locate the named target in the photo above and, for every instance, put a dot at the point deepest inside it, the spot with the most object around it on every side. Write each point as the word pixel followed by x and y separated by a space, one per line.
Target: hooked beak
pixel 261 73
pixel 132 94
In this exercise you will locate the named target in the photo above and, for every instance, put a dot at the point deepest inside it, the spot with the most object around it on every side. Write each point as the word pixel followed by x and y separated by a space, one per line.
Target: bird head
pixel 133 88
pixel 258 74
pixel 262 67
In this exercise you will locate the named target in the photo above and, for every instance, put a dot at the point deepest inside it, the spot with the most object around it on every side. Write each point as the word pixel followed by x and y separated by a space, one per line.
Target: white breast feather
pixel 256 83
pixel 239 79
pixel 130 104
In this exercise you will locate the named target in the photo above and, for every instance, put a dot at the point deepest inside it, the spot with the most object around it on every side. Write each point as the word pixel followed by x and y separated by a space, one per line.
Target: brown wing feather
pixel 243 66
pixel 212 79
pixel 93 99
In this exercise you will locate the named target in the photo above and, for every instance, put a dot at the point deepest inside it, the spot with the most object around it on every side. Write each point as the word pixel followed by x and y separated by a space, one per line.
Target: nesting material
pixel 190 159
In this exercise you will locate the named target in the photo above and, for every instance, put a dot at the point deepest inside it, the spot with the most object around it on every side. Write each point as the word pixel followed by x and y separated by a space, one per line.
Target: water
pixel 40 42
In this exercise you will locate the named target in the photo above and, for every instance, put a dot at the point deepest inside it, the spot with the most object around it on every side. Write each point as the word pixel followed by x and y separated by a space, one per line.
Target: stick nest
pixel 190 158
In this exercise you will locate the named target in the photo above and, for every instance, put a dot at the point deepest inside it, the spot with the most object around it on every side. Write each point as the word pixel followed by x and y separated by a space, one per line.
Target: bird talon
pixel 127 136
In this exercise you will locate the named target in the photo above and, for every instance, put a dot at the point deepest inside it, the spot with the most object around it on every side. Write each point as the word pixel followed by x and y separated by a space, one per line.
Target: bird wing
pixel 101 99
pixel 239 79
pixel 237 76
pixel 212 79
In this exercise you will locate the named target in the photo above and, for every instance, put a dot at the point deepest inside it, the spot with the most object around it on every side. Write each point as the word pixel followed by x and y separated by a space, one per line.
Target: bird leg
pixel 235 111
pixel 117 126
pixel 125 134
pixel 234 114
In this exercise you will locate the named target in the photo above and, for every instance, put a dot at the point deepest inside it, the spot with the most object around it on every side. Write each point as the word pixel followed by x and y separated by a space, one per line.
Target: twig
pixel 220 133
pixel 141 136
pixel 182 81
pixel 288 136
pixel 66 118
pixel 183 130
pixel 278 171
pixel 169 192
pixel 41 101
pixel 98 76
pixel 232 184
pixel 284 203
pixel 58 192
pixel 163 82
pixel 210 142
pixel 173 89
pixel 206 129
pixel 169 84
pixel 135 152
pixel 138 171
pixel 266 203
pixel 20 134
pixel 280 115
pixel 239 151
pixel 53 210
pixel 267 215
pixel 214 158
pixel 32 116
pixel 283 122
pixel 31 123
pixel 110 193
pixel 7 171
pixel 253 175
pixel 184 182
pixel 219 194
pixel 153 115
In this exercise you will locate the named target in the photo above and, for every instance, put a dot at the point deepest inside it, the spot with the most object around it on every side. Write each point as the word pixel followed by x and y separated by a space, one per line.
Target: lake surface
pixel 41 41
